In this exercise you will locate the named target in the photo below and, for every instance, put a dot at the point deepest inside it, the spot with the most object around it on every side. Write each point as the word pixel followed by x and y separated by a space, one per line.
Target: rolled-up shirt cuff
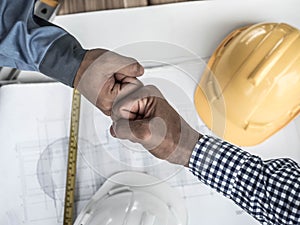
pixel 62 59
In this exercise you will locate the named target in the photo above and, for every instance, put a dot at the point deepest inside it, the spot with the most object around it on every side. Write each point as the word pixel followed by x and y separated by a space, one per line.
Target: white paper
pixel 34 132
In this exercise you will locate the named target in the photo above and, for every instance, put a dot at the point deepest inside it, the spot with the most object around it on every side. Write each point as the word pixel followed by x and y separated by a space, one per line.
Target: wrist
pixel 189 144
pixel 185 147
pixel 89 58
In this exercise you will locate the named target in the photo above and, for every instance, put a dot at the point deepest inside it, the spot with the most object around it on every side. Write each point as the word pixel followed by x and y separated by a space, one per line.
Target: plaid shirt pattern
pixel 268 190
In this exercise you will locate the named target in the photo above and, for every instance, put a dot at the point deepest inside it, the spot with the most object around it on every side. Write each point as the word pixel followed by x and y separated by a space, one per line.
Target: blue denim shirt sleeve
pixel 30 43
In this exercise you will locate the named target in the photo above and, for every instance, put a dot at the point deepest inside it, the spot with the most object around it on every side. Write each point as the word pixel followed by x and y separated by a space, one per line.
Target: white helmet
pixel 133 198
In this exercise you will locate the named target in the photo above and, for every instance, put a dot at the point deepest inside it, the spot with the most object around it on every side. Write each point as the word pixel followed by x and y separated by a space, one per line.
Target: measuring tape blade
pixel 72 160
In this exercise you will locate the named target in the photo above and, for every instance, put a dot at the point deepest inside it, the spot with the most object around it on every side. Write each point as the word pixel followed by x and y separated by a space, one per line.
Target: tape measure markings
pixel 72 160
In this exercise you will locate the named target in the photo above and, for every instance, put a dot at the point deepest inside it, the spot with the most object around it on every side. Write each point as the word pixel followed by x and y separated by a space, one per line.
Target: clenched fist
pixel 145 117
pixel 105 76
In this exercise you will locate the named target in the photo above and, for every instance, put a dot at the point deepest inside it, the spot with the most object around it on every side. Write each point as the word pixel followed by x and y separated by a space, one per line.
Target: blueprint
pixel 34 132
pixel 34 141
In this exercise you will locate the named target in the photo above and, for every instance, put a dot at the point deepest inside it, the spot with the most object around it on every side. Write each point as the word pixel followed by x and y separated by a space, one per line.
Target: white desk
pixel 178 32
pixel 170 33
pixel 196 26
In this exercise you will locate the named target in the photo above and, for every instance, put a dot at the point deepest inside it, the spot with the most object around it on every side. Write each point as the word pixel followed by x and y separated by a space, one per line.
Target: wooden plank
pixel 100 5
pixel 76 6
pixel 156 2
pixel 115 4
pixel 135 3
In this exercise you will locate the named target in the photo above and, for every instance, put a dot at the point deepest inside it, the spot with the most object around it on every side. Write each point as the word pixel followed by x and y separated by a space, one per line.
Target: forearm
pixel 30 43
pixel 268 190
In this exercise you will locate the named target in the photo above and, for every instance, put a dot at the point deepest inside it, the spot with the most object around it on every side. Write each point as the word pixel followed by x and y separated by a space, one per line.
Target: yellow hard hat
pixel 251 87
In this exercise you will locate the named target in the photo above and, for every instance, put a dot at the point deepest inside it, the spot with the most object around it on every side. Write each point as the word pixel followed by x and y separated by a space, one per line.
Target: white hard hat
pixel 133 198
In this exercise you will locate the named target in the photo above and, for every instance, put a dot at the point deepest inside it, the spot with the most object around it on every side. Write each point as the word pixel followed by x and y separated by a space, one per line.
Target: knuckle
pixel 134 67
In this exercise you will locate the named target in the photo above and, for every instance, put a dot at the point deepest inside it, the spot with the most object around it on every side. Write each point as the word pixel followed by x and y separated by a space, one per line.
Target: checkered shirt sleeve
pixel 268 190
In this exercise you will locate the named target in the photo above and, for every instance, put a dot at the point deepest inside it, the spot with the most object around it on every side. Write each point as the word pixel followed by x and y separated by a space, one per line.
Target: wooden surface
pixel 156 2
pixel 76 6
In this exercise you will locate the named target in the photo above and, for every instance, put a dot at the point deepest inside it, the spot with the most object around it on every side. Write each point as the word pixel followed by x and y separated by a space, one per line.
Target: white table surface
pixel 154 35
pixel 171 33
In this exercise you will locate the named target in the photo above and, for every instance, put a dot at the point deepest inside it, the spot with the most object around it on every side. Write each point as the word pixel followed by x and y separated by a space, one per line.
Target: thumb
pixel 137 131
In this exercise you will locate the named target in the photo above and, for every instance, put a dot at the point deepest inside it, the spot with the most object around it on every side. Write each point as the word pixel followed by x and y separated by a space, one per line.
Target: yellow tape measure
pixel 52 3
pixel 72 160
